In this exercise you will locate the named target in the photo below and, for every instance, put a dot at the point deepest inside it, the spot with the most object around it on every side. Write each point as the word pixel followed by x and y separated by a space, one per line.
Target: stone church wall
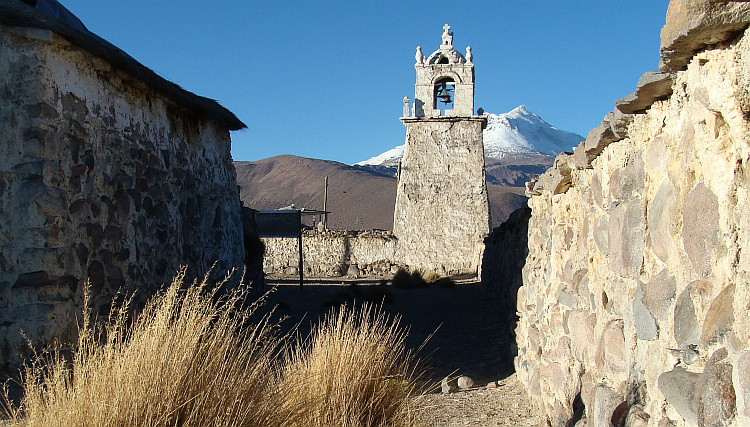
pixel 101 178
pixel 634 304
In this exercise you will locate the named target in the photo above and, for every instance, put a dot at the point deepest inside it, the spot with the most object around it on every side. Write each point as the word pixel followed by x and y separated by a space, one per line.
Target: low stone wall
pixel 333 254
pixel 634 304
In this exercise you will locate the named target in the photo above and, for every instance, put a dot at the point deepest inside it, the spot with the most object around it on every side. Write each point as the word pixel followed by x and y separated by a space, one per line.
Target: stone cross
pixel 447 36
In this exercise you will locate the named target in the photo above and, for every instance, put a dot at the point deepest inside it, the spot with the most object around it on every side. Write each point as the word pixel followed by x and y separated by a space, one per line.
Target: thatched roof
pixel 16 13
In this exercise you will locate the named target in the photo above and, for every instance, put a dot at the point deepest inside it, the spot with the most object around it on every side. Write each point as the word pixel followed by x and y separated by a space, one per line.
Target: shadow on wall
pixel 504 256
pixel 254 249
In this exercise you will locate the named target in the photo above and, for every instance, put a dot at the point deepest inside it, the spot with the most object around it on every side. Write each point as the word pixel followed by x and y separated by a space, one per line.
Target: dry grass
pixel 430 276
pixel 353 371
pixel 192 359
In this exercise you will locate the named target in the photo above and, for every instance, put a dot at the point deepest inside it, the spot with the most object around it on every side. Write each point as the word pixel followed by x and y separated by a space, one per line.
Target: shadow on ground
pixel 467 338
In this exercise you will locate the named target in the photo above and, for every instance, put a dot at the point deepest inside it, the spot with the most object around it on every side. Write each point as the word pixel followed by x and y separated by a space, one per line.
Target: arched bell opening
pixel 444 93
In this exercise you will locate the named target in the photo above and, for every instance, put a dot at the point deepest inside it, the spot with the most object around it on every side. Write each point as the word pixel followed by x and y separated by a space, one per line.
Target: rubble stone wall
pixel 101 178
pixel 635 298
pixel 333 254
pixel 442 214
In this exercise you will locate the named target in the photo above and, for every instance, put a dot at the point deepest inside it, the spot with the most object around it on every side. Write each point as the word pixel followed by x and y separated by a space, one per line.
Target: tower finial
pixel 447 36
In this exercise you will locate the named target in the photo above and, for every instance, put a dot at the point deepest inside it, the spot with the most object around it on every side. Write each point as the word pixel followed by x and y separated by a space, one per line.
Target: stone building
pixel 442 213
pixel 108 173
pixel 634 304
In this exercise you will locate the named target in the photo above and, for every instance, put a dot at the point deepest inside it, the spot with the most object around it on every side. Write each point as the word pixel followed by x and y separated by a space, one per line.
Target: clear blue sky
pixel 326 79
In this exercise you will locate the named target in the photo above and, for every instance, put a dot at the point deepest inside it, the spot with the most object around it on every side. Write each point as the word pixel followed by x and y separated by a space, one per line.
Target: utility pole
pixel 325 204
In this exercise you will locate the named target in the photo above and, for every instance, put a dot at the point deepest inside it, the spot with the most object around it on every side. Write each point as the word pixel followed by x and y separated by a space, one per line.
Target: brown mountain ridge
pixel 358 199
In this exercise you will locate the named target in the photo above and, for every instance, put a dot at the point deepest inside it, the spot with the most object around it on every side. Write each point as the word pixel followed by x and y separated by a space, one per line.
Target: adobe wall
pixel 333 254
pixel 101 178
pixel 634 304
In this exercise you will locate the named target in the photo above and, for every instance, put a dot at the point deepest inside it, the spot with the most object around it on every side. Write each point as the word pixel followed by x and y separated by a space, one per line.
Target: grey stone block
pixel 716 397
pixel 700 227
pixel 449 385
pixel 659 219
pixel 743 384
pixel 626 241
pixel 679 388
pixel 605 402
pixel 720 317
pixel 465 382
pixel 686 328
pixel 652 86
pixel 637 417
pixel 35 279
pixel 610 355
pixel 645 325
pixel 659 293
pixel 692 25
pixel 353 271
pixel 613 128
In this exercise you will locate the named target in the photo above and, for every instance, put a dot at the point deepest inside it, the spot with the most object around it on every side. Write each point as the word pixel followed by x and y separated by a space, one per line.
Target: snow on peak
pixel 520 111
pixel 389 158
pixel 518 131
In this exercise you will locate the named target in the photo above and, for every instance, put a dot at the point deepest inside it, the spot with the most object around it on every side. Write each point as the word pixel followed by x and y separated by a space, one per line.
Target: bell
pixel 445 95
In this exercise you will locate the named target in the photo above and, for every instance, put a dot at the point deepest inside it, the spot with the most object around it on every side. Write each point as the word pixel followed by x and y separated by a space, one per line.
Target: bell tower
pixel 445 77
pixel 442 213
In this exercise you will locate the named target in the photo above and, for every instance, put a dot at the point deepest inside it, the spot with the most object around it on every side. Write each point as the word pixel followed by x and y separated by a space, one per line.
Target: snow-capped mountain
pixel 517 132
pixel 520 131
pixel 389 158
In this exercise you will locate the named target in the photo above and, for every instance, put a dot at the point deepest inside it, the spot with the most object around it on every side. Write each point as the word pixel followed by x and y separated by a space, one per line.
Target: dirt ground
pixel 466 340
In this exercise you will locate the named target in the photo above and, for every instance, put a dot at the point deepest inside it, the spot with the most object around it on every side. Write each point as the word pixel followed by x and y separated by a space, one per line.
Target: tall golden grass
pixel 354 371
pixel 191 358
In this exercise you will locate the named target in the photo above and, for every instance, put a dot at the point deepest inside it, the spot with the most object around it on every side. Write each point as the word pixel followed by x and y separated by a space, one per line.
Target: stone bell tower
pixel 442 212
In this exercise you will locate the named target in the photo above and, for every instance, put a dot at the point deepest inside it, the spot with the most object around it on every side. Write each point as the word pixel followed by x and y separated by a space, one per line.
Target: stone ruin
pixel 634 295
pixel 107 172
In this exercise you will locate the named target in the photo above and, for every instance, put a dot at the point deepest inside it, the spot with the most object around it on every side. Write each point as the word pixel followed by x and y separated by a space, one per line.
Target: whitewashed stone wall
pixel 442 212
pixel 101 178
pixel 333 254
pixel 635 296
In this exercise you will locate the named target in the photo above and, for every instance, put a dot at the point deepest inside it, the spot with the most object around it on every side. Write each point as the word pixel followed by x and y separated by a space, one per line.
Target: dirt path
pixel 466 340
pixel 505 405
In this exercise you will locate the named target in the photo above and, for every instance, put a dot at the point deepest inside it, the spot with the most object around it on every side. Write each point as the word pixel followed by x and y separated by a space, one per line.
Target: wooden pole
pixel 325 204
pixel 299 244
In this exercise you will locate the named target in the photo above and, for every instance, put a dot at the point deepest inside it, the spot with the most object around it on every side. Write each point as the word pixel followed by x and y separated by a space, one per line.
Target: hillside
pixel 357 198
